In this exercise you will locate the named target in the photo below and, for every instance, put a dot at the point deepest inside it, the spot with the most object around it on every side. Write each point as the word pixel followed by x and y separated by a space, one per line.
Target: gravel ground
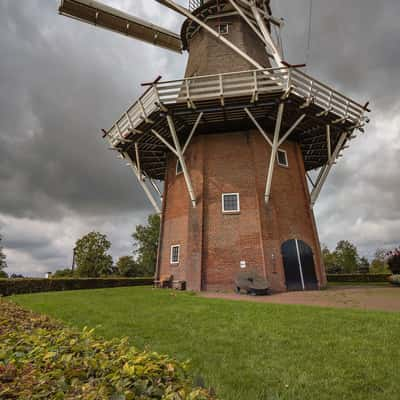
pixel 366 298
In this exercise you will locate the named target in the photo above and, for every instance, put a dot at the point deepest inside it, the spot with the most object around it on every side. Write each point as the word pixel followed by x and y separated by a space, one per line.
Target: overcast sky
pixel 61 81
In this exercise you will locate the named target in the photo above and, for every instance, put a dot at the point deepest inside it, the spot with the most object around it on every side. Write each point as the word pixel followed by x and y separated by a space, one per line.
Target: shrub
pixel 393 260
pixel 358 277
pixel 395 280
pixel 59 363
pixel 20 286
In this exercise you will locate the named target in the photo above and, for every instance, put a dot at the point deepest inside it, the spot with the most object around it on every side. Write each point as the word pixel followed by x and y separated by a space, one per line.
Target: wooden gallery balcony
pixel 236 101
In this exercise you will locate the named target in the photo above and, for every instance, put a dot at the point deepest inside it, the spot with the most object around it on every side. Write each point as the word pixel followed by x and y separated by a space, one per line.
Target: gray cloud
pixel 61 81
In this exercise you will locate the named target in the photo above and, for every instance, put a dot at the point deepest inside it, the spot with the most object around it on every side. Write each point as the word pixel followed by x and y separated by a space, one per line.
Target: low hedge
pixel 42 359
pixel 9 287
pixel 358 277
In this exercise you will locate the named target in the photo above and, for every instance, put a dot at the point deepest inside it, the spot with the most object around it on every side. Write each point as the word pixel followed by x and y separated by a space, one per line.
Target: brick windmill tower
pixel 233 142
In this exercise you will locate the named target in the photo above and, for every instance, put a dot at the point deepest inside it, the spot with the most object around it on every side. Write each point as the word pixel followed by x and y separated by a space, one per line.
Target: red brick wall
pixel 212 243
pixel 208 55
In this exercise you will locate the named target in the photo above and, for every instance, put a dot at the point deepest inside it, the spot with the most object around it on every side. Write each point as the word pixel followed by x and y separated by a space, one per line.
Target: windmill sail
pixel 109 18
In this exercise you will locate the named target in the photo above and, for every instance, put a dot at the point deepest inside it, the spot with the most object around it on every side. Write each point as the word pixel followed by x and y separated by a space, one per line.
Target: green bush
pixel 358 277
pixel 41 359
pixel 394 262
pixel 9 287
pixel 395 280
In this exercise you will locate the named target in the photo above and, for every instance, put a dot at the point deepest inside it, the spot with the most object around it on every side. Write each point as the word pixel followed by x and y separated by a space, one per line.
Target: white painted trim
pixel 275 146
pixel 326 169
pixel 286 158
pixel 300 265
pixel 176 168
pixel 179 154
pixel 247 19
pixel 140 178
pixel 223 203
pixel 174 246
pixel 267 36
pixel 192 132
pixel 258 126
pixel 219 28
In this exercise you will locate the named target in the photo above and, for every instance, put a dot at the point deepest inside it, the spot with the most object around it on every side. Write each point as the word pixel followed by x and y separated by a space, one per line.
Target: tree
pixel 63 273
pixel 364 266
pixel 127 266
pixel 378 264
pixel 3 263
pixel 330 261
pixel 347 256
pixel 146 245
pixel 17 276
pixel 91 255
pixel 393 261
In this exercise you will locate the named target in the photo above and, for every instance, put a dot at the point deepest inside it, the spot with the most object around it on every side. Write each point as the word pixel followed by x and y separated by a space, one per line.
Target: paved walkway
pixel 366 298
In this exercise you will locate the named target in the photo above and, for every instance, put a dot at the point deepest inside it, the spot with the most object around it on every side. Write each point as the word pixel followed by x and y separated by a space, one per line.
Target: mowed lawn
pixel 247 350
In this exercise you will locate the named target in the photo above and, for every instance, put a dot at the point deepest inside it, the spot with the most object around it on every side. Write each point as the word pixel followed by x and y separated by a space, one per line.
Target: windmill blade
pixel 98 14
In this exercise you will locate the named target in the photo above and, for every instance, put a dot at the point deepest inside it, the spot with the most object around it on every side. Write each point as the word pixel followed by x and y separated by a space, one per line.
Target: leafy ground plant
pixel 246 350
pixel 41 359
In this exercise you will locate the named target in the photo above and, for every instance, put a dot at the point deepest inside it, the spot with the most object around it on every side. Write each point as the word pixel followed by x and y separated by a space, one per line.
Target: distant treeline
pixel 346 260
pixel 92 259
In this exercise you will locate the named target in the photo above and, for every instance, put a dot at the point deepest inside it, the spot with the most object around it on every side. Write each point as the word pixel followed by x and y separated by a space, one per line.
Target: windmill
pixel 234 142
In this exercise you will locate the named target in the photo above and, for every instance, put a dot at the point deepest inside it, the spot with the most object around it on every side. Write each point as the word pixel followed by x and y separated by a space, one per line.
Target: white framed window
pixel 178 169
pixel 175 253
pixel 223 29
pixel 282 158
pixel 230 203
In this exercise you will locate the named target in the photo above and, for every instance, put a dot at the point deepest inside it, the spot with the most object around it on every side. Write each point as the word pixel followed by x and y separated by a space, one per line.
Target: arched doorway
pixel 298 263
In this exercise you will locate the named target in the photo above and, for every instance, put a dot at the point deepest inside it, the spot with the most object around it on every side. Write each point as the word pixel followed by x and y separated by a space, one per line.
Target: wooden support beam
pixel 138 175
pixel 196 124
pixel 179 154
pixel 258 126
pixel 274 152
pixel 326 169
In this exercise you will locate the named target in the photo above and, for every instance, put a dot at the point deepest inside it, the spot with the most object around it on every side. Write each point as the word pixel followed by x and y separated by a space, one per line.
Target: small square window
pixel 178 168
pixel 282 158
pixel 230 203
pixel 175 250
pixel 223 29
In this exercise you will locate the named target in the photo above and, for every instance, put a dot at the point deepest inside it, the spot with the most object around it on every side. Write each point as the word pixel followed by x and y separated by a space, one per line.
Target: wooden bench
pixel 168 282
pixel 165 282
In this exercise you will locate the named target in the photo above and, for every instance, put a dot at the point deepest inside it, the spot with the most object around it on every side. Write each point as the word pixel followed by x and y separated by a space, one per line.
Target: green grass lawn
pixel 244 350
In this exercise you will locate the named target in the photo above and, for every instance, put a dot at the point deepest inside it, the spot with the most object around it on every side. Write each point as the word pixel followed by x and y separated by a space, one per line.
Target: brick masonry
pixel 213 243
pixel 207 55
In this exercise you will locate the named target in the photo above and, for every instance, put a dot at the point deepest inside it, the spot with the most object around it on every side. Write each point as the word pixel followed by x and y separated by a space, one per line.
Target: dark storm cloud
pixel 61 81
pixel 355 48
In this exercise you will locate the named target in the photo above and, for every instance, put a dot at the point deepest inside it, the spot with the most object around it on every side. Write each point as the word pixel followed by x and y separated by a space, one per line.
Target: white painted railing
pixel 193 4
pixel 223 87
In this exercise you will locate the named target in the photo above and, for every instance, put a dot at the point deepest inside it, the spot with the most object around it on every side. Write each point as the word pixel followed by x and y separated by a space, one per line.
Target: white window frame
pixel 227 28
pixel 238 203
pixel 286 158
pixel 174 246
pixel 176 168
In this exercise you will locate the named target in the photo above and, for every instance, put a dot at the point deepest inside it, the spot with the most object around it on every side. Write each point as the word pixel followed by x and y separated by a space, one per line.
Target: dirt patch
pixel 366 298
